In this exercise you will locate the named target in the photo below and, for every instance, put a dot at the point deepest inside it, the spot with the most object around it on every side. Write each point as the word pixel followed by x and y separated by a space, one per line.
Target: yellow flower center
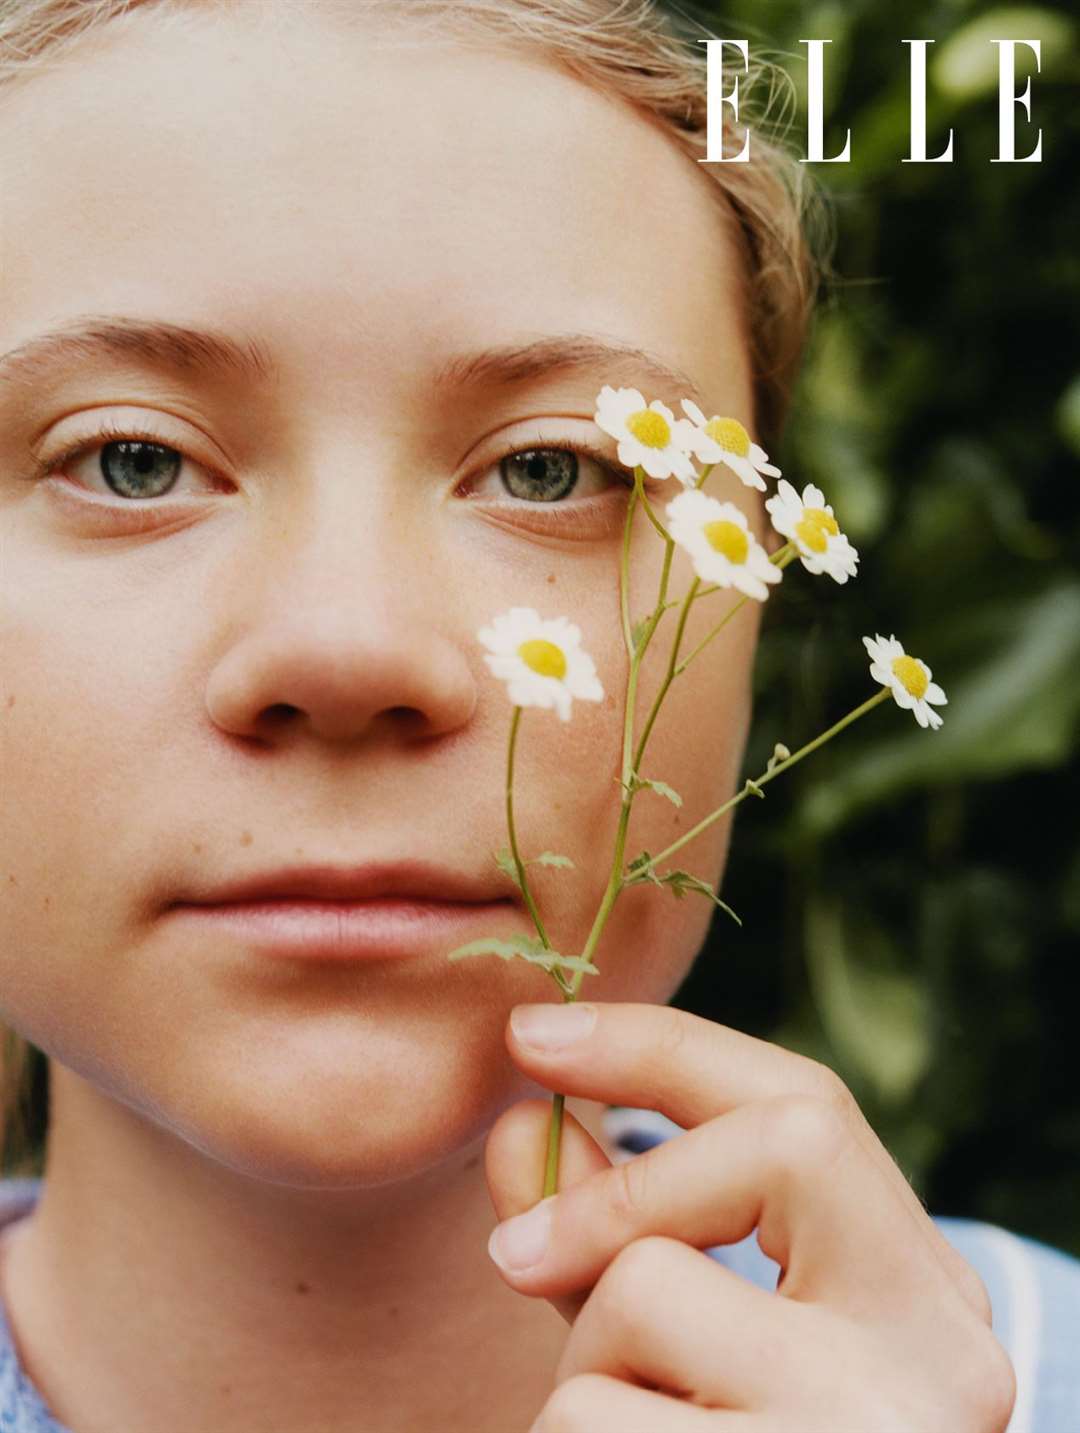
pixel 814 528
pixel 649 428
pixel 911 675
pixel 727 538
pixel 730 434
pixel 820 518
pixel 543 657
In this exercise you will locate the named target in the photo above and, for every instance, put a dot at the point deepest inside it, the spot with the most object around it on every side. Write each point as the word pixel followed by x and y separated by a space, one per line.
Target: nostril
pixel 279 713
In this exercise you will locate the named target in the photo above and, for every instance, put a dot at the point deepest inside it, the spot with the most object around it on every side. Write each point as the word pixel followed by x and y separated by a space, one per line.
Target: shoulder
pixel 1034 1289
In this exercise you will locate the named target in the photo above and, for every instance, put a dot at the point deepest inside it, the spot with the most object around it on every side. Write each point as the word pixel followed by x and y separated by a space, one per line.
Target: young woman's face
pixel 260 649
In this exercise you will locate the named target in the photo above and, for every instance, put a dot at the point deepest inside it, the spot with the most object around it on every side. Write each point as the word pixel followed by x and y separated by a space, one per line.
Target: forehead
pixel 338 192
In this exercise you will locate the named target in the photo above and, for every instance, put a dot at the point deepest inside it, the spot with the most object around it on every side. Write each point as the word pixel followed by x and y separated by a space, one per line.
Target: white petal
pixel 745 470
pixel 693 412
pixel 934 693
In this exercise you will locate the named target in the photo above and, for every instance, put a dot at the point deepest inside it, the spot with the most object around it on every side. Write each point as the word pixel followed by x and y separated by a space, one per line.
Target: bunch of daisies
pixel 542 660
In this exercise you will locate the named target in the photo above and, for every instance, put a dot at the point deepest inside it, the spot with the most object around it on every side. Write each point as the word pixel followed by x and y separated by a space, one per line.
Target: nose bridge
pixel 339 623
pixel 349 532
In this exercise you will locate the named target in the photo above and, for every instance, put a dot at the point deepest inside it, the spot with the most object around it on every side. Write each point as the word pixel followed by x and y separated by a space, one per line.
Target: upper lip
pixel 422 880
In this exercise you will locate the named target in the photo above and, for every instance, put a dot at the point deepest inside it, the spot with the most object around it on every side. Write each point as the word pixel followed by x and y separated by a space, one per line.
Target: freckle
pixel 11 701
pixel 226 1388
pixel 48 902
pixel 393 1311
pixel 551 577
pixel 302 1288
pixel 472 1163
pixel 246 839
pixel 13 880
pixel 196 846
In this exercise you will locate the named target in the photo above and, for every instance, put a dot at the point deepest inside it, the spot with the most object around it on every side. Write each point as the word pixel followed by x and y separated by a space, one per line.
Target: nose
pixel 346 637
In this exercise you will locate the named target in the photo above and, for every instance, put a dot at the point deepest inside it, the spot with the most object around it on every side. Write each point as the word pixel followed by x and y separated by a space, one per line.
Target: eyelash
pixel 109 432
pixel 554 512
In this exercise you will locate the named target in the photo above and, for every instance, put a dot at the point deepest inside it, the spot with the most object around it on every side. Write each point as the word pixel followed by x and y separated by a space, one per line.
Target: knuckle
pixel 986 1383
pixel 671 1033
pixel 627 1287
pixel 627 1191
pixel 803 1133
pixel 576 1406
pixel 824 1083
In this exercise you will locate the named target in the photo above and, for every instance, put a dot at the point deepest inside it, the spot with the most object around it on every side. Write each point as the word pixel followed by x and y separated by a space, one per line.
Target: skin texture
pixel 257 1169
pixel 269 1184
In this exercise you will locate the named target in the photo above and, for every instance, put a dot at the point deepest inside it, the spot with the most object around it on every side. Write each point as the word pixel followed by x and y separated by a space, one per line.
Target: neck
pixel 154 1289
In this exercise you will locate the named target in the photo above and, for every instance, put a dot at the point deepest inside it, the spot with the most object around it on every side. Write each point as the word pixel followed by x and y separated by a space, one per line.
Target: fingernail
pixel 521 1242
pixel 552 1027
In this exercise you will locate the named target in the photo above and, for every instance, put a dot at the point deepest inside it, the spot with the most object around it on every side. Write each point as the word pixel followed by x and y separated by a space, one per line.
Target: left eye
pixel 544 475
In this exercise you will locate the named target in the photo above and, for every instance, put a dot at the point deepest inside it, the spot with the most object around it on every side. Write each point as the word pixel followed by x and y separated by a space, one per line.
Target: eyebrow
pixel 571 352
pixel 157 343
pixel 151 342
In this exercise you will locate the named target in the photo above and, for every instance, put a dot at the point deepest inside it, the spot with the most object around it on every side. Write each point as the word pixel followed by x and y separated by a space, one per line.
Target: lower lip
pixel 386 927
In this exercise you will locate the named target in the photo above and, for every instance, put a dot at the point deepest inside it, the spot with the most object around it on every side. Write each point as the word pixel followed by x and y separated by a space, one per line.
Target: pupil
pixel 126 465
pixel 541 474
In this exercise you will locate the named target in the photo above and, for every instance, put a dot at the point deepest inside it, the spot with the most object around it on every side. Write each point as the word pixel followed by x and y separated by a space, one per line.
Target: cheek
pixel 696 746
pixel 84 745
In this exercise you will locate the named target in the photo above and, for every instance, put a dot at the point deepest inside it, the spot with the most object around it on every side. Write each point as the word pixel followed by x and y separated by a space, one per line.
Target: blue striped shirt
pixel 1034 1291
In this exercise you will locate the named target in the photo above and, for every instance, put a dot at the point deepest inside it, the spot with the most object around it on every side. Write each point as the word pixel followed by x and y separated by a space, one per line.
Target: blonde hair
pixel 632 50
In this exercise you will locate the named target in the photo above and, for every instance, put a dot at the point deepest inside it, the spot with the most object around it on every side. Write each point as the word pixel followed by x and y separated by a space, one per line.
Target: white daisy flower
pixel 724 440
pixel 646 433
pixel 908 677
pixel 718 539
pixel 809 523
pixel 540 660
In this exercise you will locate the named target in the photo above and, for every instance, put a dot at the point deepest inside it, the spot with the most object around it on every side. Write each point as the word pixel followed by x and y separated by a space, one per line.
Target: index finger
pixel 691 1069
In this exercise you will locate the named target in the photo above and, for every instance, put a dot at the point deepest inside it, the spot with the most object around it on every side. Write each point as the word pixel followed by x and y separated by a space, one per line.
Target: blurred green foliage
pixel 911 899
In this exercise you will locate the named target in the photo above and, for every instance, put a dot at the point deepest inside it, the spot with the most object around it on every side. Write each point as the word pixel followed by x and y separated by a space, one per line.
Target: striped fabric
pixel 1034 1291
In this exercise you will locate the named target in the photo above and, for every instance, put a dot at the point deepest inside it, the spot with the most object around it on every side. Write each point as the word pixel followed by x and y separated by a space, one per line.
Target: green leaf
pixel 636 871
pixel 678 882
pixel 550 858
pixel 525 947
pixel 682 881
pixel 504 859
pixel 663 788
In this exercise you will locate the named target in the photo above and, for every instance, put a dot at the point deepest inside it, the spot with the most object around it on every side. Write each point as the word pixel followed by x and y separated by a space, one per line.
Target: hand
pixel 880 1326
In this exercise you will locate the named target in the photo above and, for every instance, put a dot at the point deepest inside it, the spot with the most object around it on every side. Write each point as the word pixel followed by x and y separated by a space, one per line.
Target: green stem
pixel 661 529
pixel 518 862
pixel 615 881
pixel 768 776
pixel 551 1166
pixel 706 640
pixel 624 584
pixel 670 674
pixel 781 558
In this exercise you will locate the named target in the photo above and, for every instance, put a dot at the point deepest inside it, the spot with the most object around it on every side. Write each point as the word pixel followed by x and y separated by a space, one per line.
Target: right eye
pixel 547 475
pixel 541 474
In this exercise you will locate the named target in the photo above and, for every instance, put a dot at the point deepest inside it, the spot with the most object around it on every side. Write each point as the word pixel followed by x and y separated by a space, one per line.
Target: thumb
pixel 515 1157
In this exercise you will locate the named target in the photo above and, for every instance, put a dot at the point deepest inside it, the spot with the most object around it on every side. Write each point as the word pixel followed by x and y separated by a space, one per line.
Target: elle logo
pixel 1008 99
